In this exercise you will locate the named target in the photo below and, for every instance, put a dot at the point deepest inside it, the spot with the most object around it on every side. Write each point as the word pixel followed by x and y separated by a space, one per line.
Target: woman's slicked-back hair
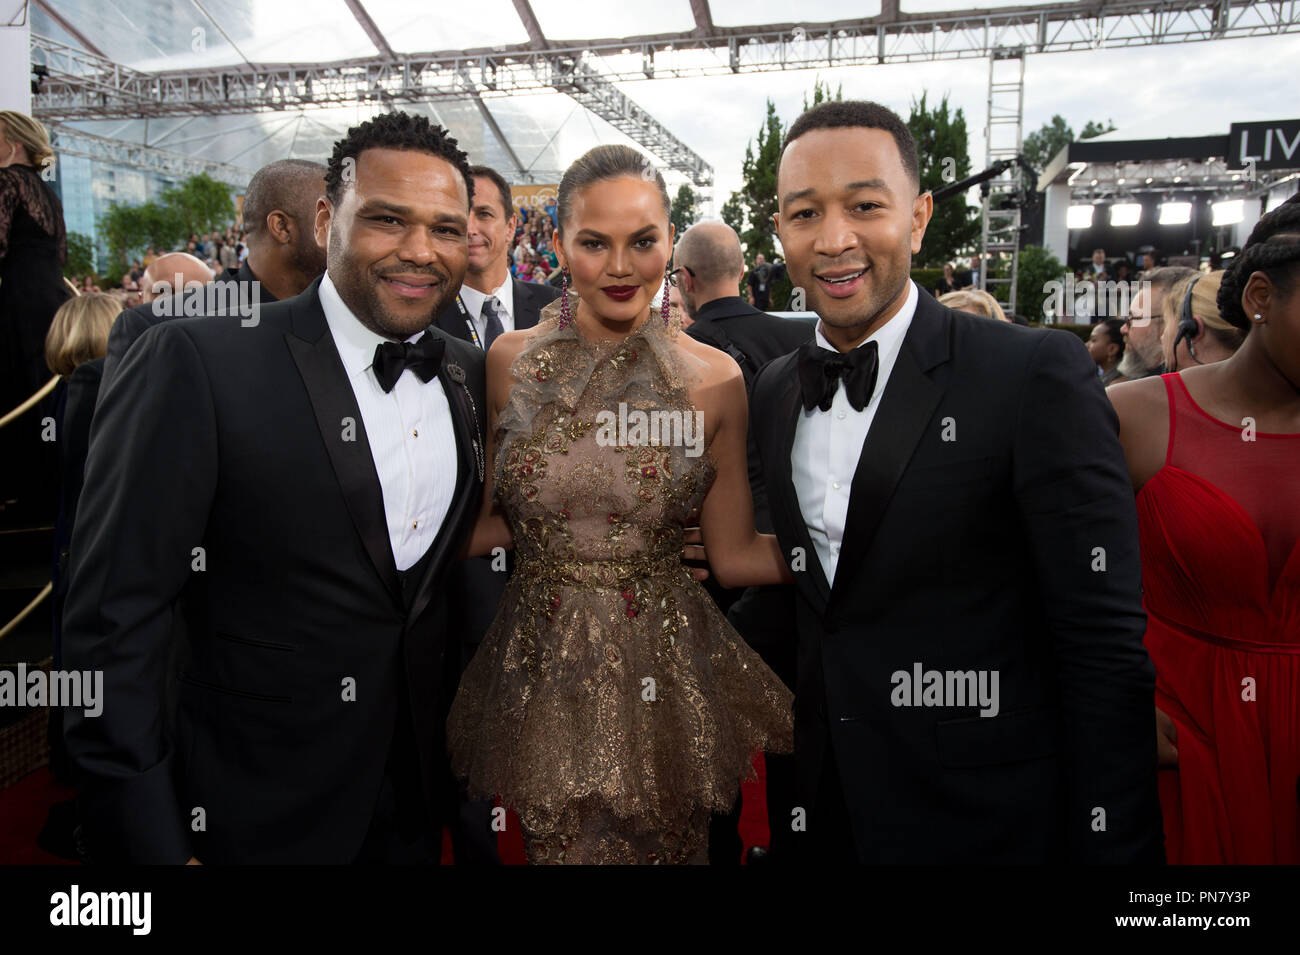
pixel 1274 249
pixel 599 164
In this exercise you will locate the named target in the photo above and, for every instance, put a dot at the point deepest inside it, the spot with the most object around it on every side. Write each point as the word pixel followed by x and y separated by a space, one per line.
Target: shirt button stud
pixel 841 414
pixel 414 524
pixel 836 485
pixel 415 432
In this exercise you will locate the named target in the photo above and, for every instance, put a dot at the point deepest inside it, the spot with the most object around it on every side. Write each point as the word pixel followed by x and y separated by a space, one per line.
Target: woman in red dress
pixel 1214 454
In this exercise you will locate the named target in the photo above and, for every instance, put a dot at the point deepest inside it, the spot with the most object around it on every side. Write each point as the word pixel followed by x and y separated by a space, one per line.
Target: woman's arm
pixel 738 555
pixel 491 530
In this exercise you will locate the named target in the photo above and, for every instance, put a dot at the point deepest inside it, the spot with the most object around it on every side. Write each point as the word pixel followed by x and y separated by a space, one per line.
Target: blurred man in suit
pixel 490 302
pixel 1143 353
pixel 708 269
pixel 283 258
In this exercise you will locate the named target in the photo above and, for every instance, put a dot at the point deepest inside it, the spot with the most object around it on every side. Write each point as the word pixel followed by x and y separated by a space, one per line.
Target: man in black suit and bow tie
pixel 268 517
pixel 972 686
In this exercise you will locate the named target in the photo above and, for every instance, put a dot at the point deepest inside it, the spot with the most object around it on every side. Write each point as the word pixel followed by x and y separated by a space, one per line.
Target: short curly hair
pixel 863 114
pixel 1274 249
pixel 395 130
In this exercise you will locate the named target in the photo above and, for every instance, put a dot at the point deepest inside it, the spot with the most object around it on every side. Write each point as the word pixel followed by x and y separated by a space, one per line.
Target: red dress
pixel 1221 585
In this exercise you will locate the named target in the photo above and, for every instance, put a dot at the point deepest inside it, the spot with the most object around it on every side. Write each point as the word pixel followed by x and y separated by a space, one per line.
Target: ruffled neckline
pixel 555 366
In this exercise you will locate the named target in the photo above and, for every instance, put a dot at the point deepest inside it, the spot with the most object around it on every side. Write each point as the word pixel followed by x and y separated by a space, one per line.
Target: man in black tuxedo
pixel 489 302
pixel 283 258
pixel 972 686
pixel 268 517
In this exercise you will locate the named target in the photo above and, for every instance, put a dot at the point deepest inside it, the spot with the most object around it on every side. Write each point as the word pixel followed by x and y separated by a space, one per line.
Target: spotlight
pixel 1229 212
pixel 1175 213
pixel 1125 213
pixel 1079 217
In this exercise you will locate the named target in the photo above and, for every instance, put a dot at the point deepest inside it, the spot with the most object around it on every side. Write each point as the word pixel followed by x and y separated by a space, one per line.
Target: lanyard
pixel 469 322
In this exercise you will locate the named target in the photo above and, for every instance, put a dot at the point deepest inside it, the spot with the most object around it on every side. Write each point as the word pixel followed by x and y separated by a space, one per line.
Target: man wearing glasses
pixel 1143 354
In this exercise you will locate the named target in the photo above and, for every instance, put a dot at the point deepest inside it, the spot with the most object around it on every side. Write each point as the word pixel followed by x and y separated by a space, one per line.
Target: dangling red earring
pixel 663 308
pixel 566 316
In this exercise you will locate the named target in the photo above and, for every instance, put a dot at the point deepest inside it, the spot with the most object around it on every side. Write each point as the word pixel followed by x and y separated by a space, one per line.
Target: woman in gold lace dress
pixel 610 704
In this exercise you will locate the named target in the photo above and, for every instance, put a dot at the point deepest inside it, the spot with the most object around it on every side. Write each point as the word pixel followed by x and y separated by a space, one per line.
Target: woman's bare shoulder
pixel 717 367
pixel 507 347
pixel 1138 399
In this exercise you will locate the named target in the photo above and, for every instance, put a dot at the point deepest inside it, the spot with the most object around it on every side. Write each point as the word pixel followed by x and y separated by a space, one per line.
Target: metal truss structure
pixel 73 142
pixel 81 84
pixel 1120 181
pixel 1000 215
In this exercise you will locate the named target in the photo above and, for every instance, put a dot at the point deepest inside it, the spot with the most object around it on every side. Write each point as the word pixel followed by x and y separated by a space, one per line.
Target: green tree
pixel 942 147
pixel 129 230
pixel 1091 129
pixel 200 204
pixel 81 256
pixel 733 214
pixel 1037 268
pixel 822 94
pixel 684 210
pixel 757 195
pixel 1040 146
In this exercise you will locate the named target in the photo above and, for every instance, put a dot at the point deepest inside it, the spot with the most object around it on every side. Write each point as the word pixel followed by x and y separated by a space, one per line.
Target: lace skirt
pixel 613 707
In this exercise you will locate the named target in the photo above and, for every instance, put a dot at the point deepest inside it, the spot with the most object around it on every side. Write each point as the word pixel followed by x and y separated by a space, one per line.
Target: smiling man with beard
pixel 269 515
pixel 951 494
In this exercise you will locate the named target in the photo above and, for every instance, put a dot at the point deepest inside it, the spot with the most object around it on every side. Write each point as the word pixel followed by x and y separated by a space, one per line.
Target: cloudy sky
pixel 1185 89
pixel 1190 89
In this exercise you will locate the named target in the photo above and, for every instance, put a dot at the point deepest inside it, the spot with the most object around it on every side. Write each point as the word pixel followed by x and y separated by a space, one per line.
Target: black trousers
pixel 828 836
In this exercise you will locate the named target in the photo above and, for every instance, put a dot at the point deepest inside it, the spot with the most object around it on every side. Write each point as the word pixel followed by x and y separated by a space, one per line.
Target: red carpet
pixel 24 805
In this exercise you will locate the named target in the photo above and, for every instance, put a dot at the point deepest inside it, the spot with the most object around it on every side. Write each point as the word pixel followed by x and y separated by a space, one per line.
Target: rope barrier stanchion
pixel 31 402
pixel 23 614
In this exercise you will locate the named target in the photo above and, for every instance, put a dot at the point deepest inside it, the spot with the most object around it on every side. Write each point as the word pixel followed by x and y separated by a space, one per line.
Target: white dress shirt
pixel 827 444
pixel 412 438
pixel 474 301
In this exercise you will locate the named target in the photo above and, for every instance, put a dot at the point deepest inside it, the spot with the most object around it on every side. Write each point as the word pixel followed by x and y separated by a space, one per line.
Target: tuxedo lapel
pixel 906 407
pixel 339 419
pixel 783 499
pixel 526 310
pixel 466 418
pixel 529 302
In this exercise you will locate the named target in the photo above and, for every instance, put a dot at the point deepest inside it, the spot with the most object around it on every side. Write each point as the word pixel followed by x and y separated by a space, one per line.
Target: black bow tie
pixel 820 371
pixel 422 356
